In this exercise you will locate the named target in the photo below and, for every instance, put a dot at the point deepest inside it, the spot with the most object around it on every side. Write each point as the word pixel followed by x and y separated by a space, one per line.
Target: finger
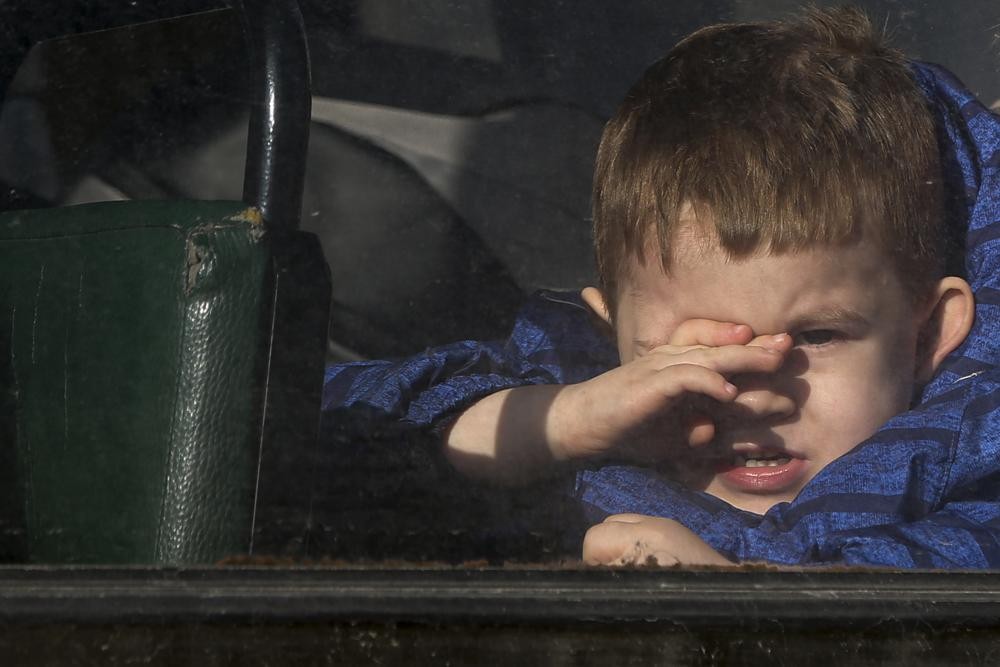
pixel 710 333
pixel 625 518
pixel 658 558
pixel 728 360
pixel 665 540
pixel 615 543
pixel 675 381
pixel 602 544
pixel 634 541
pixel 781 342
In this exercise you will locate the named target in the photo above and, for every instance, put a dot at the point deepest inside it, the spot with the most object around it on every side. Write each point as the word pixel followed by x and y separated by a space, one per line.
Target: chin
pixel 756 504
pixel 751 493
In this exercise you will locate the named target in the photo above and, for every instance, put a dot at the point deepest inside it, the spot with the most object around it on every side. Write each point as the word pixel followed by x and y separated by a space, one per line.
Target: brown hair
pixel 785 135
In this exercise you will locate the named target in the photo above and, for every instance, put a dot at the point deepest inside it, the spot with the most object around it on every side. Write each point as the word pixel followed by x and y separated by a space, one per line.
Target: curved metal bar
pixel 280 114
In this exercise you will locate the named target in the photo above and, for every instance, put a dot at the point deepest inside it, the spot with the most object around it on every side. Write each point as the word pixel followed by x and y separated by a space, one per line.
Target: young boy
pixel 772 240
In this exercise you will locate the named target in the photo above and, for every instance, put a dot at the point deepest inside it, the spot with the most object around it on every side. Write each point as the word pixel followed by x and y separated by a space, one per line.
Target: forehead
pixel 768 291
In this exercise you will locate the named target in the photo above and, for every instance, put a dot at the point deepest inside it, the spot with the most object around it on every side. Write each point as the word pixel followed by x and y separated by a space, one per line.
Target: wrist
pixel 562 425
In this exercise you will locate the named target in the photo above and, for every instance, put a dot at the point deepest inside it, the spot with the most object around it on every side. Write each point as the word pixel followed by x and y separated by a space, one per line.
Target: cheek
pixel 625 333
pixel 896 376
pixel 857 395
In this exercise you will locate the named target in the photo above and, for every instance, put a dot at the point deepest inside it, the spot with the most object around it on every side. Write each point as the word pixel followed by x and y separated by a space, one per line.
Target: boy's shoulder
pixel 557 331
pixel 555 339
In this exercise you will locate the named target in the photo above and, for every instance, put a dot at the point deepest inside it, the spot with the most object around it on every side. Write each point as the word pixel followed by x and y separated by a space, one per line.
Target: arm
pixel 552 343
pixel 382 454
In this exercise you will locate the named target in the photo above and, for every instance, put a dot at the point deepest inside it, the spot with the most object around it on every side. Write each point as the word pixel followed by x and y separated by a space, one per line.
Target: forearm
pixel 510 437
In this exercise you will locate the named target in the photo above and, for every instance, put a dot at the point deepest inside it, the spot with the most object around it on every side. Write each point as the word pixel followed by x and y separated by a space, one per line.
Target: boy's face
pixel 852 367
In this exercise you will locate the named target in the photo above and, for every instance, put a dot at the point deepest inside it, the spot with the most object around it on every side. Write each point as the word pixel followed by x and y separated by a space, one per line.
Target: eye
pixel 816 337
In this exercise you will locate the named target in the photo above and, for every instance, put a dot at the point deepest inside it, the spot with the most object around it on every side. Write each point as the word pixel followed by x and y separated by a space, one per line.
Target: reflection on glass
pixel 449 178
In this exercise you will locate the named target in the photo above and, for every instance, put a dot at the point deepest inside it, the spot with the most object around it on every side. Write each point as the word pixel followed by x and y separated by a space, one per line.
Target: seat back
pixel 131 340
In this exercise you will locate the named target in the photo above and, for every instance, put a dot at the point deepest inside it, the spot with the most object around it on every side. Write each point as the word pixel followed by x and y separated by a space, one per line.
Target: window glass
pixel 448 177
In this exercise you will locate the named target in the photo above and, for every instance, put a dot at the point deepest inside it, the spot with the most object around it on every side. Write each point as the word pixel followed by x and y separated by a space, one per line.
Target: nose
pixel 765 405
pixel 761 399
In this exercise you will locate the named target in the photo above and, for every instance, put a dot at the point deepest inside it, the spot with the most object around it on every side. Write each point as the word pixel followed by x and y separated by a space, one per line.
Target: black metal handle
pixel 279 79
pixel 280 114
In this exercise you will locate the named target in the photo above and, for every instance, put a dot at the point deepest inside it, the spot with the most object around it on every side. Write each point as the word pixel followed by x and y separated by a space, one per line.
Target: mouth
pixel 763 472
pixel 759 460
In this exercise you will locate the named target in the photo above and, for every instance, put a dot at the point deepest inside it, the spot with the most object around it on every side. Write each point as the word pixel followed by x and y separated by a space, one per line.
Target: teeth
pixel 764 462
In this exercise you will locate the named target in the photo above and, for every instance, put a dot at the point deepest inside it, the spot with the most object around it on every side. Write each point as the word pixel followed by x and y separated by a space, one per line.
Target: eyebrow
pixel 834 316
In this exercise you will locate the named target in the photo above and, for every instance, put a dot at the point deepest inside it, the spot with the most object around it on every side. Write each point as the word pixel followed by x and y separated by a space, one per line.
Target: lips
pixel 763 473
pixel 749 461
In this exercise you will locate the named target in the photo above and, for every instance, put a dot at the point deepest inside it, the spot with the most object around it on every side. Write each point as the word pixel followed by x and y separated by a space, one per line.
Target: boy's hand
pixel 636 539
pixel 647 408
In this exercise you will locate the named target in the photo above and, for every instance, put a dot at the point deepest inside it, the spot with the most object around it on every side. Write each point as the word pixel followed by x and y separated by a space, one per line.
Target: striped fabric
pixel 923 492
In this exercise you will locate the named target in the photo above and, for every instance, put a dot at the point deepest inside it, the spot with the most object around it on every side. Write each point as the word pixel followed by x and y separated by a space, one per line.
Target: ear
pixel 948 320
pixel 595 300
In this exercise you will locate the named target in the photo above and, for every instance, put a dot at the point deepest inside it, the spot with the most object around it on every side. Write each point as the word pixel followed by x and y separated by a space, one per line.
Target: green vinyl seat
pixel 131 346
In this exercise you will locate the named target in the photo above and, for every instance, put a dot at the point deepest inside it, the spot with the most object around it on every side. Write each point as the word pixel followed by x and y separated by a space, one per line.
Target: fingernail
pixel 779 338
pixel 731 388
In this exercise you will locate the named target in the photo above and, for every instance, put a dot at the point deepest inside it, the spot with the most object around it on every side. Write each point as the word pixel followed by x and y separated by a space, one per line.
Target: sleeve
pixel 392 495
pixel 924 492
pixel 553 341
